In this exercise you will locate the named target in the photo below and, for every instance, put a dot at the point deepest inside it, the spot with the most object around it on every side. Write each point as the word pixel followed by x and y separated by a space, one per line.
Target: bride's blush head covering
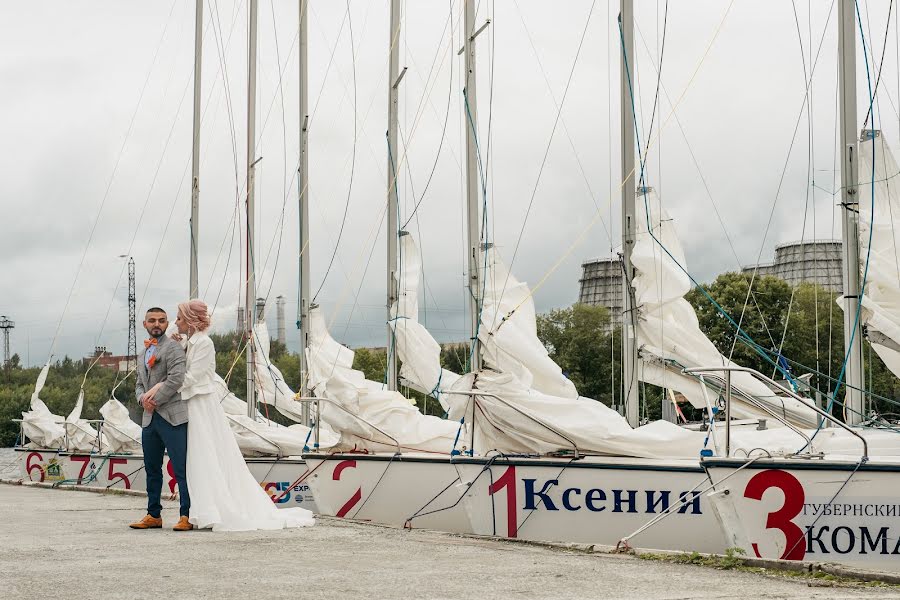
pixel 195 313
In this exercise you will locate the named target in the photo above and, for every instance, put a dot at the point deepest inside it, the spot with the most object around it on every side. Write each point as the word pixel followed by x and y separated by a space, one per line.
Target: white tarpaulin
pixel 881 297
pixel 667 326
pixel 42 428
pixel 370 416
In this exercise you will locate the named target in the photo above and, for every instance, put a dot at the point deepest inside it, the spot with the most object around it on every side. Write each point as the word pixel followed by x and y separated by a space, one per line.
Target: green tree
pixel 578 339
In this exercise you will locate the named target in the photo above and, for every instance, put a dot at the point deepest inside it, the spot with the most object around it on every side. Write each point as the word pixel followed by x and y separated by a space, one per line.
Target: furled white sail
pixel 419 353
pixel 669 335
pixel 272 390
pixel 42 428
pixel 508 333
pixel 81 435
pixel 880 314
pixel 365 413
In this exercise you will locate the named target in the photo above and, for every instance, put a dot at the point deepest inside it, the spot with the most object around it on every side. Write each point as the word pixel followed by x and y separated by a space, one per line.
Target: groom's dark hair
pixel 155 309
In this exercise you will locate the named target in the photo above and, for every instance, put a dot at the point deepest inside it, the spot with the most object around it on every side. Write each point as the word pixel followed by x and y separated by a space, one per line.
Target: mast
pixel 303 317
pixel 849 202
pixel 393 83
pixel 471 123
pixel 629 343
pixel 195 160
pixel 250 295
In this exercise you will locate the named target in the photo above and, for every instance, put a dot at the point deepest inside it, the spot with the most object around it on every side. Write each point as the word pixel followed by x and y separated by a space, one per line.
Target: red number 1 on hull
pixel 508 481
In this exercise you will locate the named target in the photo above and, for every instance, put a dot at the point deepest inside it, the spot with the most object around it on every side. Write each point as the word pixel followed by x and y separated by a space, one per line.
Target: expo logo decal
pixel 280 491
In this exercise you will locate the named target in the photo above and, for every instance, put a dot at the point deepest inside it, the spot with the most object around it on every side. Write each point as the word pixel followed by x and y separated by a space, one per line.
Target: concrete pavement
pixel 56 543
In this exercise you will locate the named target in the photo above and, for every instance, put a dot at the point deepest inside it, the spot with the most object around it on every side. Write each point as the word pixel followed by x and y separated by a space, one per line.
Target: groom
pixel 160 373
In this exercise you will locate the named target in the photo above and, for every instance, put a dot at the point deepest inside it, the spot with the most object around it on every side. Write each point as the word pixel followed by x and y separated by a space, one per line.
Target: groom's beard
pixel 156 333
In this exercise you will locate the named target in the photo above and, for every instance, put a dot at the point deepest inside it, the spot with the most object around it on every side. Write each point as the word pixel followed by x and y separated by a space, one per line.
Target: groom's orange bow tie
pixel 150 342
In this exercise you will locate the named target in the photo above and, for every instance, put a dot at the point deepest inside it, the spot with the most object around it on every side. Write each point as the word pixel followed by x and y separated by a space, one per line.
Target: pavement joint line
pixel 591 549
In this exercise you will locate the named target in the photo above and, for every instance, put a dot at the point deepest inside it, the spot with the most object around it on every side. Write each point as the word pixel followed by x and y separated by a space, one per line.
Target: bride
pixel 224 494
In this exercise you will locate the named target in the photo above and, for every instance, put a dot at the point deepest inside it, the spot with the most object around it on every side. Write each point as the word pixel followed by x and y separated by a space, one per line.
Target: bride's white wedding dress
pixel 224 494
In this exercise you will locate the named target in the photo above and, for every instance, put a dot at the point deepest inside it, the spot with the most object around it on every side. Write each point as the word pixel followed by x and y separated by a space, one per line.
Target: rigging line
pixel 862 289
pixel 111 179
pixel 330 61
pixel 221 48
pixel 426 98
pixel 577 241
pixel 705 184
pixel 546 154
pixel 285 184
pixel 217 34
pixel 565 128
pixel 443 128
pixel 352 160
pixel 781 180
pixel 647 211
pixel 212 23
pixel 812 177
pixel 808 83
pixel 662 54
pixel 881 63
pixel 147 200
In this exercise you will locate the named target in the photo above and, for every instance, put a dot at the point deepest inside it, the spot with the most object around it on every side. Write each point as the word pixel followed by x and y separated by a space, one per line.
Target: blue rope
pixel 454 451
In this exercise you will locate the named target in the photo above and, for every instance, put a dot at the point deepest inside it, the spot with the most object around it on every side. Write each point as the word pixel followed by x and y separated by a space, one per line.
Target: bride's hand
pixel 151 393
pixel 177 337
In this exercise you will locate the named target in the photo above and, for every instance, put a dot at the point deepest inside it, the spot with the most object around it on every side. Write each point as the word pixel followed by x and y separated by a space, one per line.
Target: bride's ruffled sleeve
pixel 201 365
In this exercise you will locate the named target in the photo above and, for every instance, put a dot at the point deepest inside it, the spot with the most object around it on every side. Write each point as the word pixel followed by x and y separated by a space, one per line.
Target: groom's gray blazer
pixel 170 367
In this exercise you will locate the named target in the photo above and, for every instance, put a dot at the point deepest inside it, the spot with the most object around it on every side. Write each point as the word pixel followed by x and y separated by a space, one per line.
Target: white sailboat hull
pixel 281 478
pixel 406 490
pixel 818 510
pixel 591 500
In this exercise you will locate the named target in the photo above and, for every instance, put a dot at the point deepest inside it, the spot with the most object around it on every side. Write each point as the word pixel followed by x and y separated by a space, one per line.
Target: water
pixel 8 467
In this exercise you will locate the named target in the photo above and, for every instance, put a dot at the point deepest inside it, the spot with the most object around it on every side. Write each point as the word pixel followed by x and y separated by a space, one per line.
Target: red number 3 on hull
pixel 794 497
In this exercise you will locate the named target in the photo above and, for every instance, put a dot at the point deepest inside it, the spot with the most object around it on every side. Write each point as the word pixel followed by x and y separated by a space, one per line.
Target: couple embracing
pixel 183 415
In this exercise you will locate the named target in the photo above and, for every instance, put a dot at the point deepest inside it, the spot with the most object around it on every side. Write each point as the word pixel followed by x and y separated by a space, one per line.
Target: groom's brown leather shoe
pixel 183 525
pixel 148 522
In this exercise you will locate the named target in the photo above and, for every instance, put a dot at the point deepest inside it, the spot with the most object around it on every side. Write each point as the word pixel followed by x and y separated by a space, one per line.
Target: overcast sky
pixel 95 123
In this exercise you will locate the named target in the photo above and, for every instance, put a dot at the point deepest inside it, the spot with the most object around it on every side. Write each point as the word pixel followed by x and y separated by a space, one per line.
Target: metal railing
pixel 728 370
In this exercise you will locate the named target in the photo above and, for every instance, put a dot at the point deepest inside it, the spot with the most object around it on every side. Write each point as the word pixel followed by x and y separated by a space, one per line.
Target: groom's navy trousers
pixel 156 438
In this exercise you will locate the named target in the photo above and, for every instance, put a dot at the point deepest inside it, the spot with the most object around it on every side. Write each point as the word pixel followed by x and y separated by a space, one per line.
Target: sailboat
pixel 567 469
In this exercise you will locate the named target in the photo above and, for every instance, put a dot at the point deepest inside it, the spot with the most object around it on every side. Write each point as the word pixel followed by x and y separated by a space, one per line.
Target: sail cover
pixel 669 335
